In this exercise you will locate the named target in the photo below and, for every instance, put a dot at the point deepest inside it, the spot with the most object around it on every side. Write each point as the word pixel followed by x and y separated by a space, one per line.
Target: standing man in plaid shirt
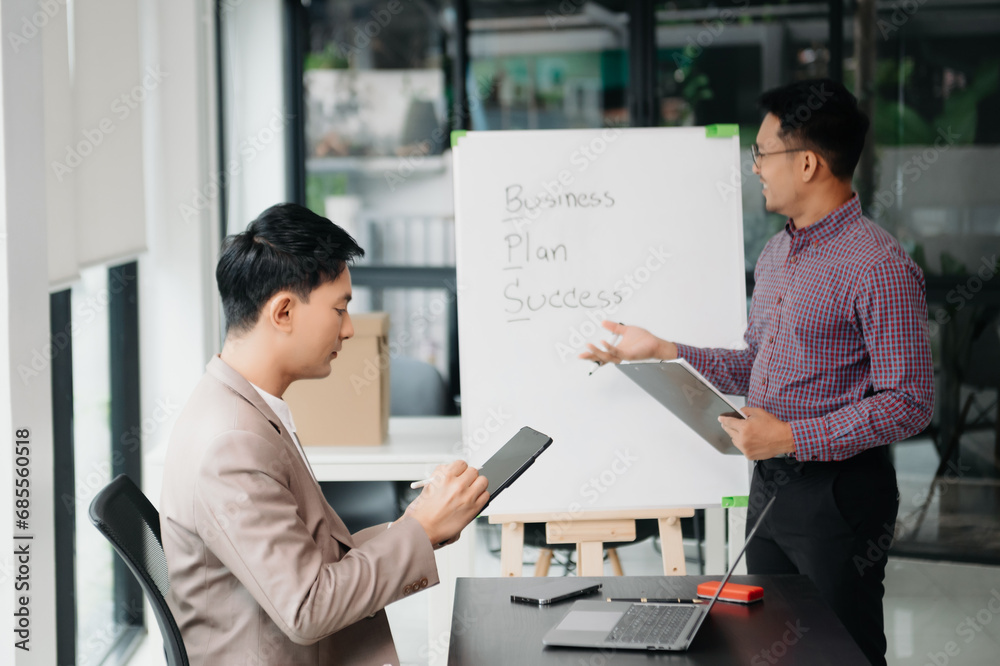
pixel 837 364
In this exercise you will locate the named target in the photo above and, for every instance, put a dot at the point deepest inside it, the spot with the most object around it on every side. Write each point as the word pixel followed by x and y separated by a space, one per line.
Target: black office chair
pixel 126 518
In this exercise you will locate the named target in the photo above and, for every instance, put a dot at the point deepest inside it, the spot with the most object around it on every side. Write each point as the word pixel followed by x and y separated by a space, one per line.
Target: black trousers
pixel 833 522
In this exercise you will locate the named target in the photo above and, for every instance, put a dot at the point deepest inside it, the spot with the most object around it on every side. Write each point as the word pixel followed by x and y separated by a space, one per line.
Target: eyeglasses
pixel 757 155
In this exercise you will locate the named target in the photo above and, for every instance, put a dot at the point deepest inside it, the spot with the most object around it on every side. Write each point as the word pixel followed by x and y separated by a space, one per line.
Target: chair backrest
pixel 416 388
pixel 126 518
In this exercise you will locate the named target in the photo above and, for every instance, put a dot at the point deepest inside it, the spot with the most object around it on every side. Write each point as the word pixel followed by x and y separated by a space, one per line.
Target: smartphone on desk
pixel 555 591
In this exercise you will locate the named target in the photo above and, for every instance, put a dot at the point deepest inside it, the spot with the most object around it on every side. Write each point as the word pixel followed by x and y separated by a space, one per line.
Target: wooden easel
pixel 590 531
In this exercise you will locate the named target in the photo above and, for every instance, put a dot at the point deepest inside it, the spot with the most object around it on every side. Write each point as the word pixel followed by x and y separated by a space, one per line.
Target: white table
pixel 414 447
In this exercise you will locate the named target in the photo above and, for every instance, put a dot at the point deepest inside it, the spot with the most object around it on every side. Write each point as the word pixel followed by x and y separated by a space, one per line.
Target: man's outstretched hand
pixel 636 344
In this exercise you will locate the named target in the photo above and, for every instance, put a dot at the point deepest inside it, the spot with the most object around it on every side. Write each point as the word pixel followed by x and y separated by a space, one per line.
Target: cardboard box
pixel 350 407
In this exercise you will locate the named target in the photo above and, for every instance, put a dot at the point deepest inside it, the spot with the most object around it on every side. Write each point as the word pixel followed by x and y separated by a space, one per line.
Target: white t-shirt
pixel 284 414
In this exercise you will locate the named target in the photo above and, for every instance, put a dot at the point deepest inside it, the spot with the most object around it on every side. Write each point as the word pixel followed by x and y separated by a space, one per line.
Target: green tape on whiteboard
pixel 456 135
pixel 719 131
pixel 738 500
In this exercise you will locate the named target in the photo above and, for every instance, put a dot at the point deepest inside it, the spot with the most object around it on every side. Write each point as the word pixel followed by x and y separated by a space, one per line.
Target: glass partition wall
pixel 381 85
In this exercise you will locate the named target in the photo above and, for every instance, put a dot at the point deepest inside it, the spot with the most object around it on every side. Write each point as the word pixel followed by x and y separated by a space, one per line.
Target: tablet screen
pixel 512 459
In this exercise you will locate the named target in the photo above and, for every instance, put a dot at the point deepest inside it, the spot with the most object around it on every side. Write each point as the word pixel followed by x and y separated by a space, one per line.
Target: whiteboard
pixel 556 230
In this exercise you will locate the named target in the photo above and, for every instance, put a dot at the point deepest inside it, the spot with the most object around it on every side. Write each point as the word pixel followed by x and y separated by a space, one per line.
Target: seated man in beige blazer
pixel 262 570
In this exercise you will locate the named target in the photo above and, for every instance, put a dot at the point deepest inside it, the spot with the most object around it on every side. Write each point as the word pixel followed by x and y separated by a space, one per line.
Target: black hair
pixel 286 247
pixel 821 115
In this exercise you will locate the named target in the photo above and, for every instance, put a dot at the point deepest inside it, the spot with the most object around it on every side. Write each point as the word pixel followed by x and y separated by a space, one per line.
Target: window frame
pixel 125 419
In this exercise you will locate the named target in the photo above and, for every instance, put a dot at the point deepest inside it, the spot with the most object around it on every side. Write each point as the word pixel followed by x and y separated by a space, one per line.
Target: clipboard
pixel 689 396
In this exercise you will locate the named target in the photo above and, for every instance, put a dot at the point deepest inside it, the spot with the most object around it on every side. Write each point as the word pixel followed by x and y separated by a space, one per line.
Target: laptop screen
pixel 732 568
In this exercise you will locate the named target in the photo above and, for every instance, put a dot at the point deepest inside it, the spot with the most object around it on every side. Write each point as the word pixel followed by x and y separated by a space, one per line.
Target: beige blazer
pixel 262 570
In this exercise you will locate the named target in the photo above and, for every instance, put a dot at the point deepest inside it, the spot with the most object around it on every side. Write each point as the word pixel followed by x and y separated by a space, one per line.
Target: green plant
pixel 895 123
pixel 322 185
pixel 329 58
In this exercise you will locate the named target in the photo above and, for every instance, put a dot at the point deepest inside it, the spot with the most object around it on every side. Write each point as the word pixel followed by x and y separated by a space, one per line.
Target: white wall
pixel 25 399
pixel 178 307
pixel 258 123
pixel 179 319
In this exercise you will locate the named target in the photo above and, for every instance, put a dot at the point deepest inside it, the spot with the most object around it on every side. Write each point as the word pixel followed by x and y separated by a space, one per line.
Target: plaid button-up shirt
pixel 837 340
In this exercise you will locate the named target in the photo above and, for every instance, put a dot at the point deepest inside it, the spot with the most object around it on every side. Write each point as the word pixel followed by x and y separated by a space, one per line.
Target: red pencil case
pixel 735 592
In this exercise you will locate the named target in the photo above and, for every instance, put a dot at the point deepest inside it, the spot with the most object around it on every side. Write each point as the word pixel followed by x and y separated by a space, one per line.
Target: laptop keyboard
pixel 650 624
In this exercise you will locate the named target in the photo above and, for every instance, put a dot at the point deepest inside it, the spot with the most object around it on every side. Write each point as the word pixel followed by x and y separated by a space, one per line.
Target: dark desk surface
pixel 791 626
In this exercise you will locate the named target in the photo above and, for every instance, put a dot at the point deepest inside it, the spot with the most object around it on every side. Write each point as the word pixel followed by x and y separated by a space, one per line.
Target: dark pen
pixel 615 340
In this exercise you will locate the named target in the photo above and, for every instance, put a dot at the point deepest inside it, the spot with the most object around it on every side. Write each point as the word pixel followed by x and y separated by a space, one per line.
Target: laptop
pixel 689 396
pixel 637 626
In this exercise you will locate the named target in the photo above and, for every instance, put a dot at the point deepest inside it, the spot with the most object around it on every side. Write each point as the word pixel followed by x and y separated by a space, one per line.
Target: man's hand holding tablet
pixel 760 435
pixel 501 470
pixel 455 495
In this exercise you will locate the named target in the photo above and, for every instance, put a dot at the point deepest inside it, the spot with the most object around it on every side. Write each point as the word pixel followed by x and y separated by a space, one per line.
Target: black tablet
pixel 512 459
